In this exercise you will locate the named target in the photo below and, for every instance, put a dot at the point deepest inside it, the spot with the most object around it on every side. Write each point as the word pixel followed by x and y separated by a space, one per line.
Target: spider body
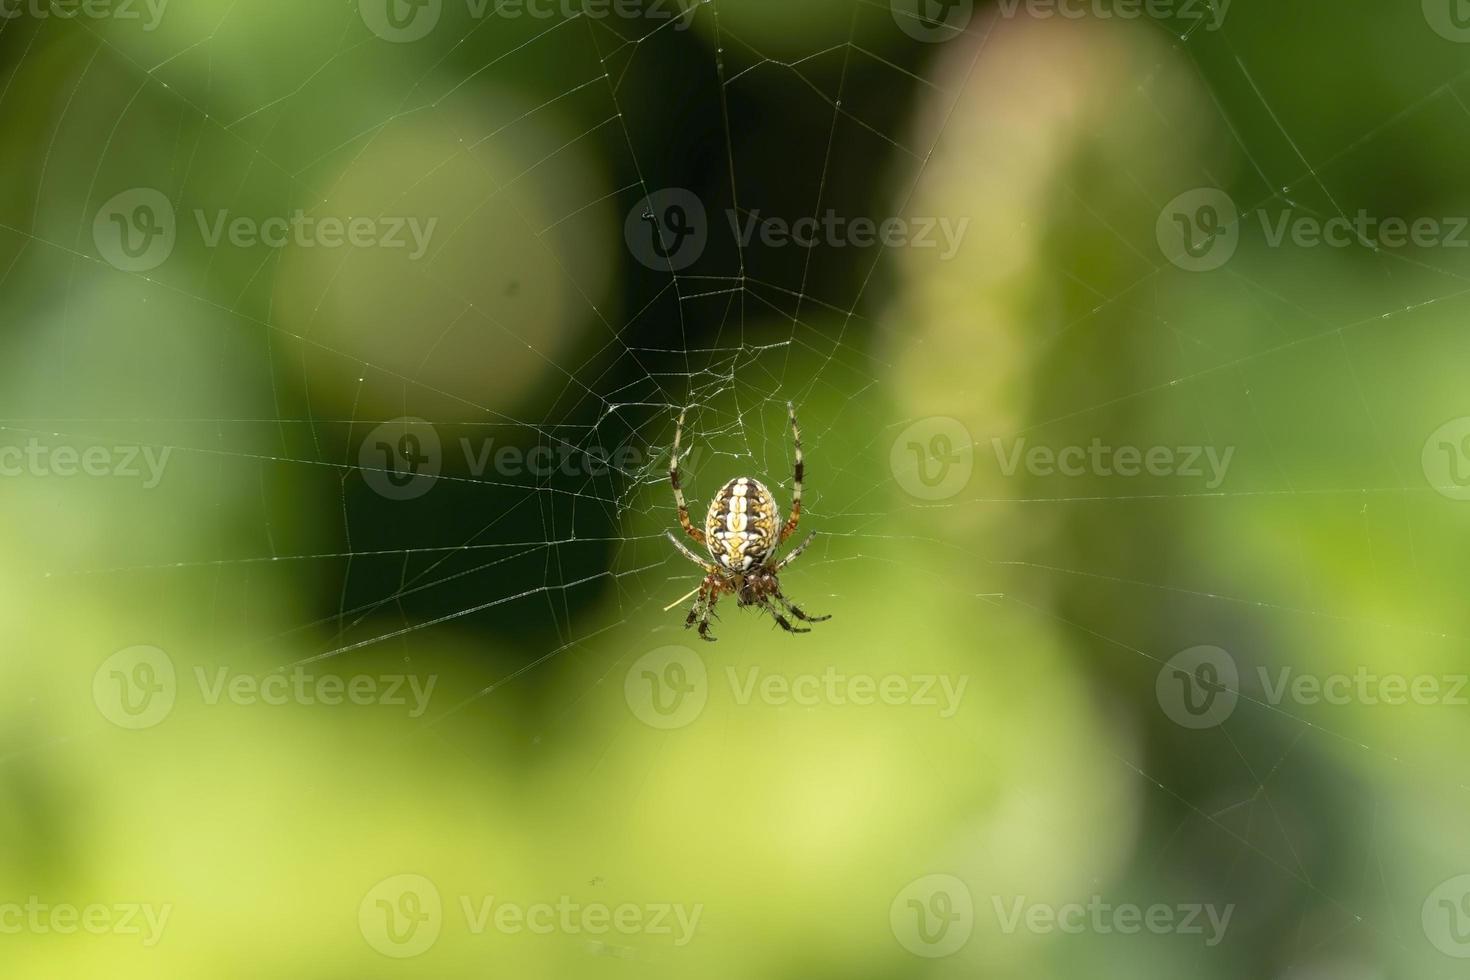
pixel 743 525
pixel 742 533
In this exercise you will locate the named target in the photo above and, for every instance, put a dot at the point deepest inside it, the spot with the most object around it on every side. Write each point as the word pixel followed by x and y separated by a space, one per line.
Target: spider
pixel 742 532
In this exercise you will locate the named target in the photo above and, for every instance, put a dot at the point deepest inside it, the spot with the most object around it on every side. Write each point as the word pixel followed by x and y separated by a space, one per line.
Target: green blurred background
pixel 483 700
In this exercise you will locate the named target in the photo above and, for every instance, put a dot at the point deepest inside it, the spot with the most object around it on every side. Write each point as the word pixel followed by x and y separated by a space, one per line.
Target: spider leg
pixel 698 608
pixel 684 549
pixel 796 553
pixel 684 521
pixel 709 608
pixel 781 620
pixel 789 528
pixel 795 610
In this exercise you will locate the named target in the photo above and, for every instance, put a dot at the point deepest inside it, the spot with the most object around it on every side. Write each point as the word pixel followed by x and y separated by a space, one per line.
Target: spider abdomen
pixel 743 525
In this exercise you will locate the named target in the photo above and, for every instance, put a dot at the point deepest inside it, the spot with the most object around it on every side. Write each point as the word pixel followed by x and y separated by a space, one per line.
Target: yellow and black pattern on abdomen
pixel 742 525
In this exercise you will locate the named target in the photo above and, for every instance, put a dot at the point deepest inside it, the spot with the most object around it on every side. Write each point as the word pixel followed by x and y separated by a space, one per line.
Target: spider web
pixel 541 149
